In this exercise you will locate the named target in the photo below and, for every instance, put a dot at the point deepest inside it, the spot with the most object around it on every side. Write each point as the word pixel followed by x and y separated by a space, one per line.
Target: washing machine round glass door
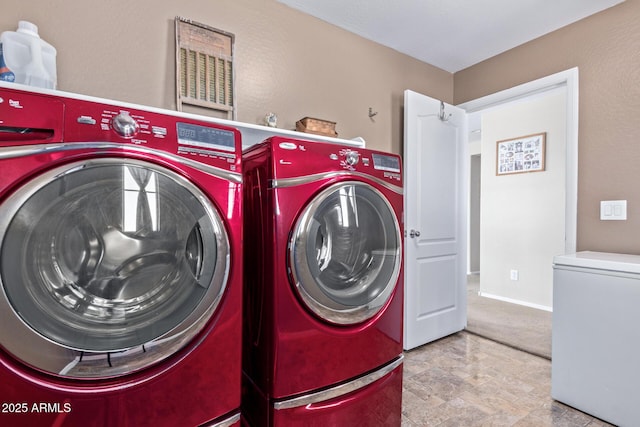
pixel 345 253
pixel 108 260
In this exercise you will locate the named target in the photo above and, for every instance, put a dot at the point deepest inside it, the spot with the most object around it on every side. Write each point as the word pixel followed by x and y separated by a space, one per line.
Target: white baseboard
pixel 515 301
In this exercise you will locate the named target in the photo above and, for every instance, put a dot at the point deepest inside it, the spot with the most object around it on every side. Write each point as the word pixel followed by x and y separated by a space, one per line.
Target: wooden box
pixel 317 126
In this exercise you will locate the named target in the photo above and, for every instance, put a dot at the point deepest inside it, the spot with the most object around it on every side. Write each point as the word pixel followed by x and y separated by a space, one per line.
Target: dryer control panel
pixel 298 158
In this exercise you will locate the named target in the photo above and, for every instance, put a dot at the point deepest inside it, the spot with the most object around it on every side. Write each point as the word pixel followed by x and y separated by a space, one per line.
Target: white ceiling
pixel 451 34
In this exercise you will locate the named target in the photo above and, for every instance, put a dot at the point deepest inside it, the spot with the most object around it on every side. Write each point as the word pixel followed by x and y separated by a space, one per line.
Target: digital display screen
pixel 206 137
pixel 386 163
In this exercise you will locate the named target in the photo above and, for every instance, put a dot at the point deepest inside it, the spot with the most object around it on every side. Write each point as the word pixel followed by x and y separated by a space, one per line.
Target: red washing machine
pixel 120 264
pixel 323 285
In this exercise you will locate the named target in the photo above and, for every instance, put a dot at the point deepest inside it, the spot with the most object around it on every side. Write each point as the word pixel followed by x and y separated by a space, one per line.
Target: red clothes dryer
pixel 120 264
pixel 323 285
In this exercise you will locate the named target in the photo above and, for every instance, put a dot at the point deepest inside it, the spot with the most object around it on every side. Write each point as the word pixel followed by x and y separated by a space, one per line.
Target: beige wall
pixel 286 62
pixel 606 48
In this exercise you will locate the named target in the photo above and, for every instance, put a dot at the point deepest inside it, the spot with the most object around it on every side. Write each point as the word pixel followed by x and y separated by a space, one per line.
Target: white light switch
pixel 613 210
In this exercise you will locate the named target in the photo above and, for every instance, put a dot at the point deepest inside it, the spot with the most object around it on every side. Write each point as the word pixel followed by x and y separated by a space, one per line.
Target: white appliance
pixel 596 335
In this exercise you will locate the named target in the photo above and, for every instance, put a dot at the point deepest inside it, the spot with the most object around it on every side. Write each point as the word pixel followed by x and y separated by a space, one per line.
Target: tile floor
pixel 466 380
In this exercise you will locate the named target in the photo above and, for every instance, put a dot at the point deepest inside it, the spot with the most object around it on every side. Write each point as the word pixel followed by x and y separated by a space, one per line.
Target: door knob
pixel 414 233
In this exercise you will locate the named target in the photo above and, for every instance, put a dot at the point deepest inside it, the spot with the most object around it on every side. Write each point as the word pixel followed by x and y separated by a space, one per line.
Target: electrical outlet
pixel 514 275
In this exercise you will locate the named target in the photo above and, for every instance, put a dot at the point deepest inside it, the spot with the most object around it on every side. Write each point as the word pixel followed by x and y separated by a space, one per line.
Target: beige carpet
pixel 517 326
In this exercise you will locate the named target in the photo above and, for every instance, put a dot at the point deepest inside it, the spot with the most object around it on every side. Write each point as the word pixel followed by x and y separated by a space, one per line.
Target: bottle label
pixel 5 73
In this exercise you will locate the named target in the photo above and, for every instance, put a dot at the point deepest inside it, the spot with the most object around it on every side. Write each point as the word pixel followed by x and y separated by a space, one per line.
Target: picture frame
pixel 523 154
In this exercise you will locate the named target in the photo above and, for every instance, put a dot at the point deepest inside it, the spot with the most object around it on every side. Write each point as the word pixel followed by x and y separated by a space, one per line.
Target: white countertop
pixel 600 260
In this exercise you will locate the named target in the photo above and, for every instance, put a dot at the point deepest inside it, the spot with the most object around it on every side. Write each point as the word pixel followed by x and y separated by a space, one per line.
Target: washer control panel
pixel 348 158
pixel 351 158
pixel 198 140
pixel 125 125
pixel 298 158
pixel 41 118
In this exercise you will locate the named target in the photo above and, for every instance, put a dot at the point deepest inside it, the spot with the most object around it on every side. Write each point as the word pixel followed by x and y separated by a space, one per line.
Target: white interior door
pixel 435 159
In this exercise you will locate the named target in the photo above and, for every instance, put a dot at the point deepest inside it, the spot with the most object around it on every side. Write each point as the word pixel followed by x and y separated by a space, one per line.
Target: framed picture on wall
pixel 521 155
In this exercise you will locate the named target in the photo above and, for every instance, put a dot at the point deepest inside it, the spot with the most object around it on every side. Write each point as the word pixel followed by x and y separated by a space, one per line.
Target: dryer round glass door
pixel 116 258
pixel 345 253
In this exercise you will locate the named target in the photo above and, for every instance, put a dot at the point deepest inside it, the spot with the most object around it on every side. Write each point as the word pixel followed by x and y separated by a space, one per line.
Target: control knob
pixel 352 158
pixel 125 125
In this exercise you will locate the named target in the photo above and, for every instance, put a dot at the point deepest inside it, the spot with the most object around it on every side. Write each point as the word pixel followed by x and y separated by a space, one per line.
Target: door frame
pixel 569 79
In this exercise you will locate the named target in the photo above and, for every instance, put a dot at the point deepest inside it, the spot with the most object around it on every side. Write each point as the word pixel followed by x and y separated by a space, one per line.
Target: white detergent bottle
pixel 31 59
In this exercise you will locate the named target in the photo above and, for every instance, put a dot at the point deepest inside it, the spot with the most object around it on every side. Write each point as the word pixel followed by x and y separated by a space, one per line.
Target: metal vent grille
pixel 204 67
